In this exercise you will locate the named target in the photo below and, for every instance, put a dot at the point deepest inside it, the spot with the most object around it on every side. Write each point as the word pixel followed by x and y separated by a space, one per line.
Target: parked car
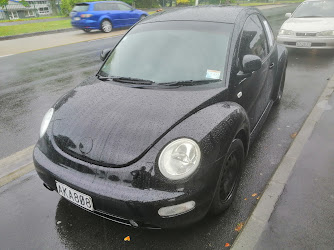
pixel 158 136
pixel 310 26
pixel 105 15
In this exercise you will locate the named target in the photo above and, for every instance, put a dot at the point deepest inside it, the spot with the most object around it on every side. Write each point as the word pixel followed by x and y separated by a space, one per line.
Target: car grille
pixel 305 34
pixel 290 43
pixel 312 44
pixel 118 219
pixel 318 44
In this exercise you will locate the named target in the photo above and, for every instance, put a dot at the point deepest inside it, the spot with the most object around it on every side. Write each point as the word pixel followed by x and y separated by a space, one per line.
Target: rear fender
pixel 104 17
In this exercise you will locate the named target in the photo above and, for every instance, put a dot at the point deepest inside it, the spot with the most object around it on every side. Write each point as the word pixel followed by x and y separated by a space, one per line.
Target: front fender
pixel 214 128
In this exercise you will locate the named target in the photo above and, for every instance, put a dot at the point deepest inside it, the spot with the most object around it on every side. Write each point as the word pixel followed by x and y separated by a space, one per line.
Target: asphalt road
pixel 32 217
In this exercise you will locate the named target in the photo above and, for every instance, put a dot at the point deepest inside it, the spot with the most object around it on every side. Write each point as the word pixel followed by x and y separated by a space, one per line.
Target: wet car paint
pixel 83 173
pixel 58 224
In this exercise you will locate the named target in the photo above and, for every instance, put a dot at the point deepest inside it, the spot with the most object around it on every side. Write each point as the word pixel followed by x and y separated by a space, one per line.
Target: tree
pixel 3 3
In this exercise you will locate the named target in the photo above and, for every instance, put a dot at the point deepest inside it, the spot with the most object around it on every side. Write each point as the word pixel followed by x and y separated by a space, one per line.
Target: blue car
pixel 105 15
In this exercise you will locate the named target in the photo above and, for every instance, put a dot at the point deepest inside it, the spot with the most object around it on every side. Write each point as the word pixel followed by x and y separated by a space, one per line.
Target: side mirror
pixel 288 15
pixel 250 63
pixel 104 54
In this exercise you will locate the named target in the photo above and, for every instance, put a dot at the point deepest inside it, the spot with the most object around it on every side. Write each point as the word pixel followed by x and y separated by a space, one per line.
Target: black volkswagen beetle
pixel 157 137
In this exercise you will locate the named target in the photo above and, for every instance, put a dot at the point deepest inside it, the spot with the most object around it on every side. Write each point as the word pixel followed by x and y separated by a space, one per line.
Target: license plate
pixel 75 196
pixel 76 19
pixel 303 44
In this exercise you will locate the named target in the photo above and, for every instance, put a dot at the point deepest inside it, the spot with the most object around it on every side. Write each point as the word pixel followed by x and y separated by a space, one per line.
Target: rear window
pixel 80 7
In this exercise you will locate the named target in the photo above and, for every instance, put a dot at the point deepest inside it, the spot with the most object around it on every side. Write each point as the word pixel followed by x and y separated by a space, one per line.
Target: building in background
pixel 33 8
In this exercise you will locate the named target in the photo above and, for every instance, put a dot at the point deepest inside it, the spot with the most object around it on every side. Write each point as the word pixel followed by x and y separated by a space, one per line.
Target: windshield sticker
pixel 212 74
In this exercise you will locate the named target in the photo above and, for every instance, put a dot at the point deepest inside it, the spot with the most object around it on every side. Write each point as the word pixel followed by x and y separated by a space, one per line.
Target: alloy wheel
pixel 106 26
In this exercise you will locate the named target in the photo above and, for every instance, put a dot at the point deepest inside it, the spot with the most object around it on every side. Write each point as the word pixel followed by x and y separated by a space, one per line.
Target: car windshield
pixel 80 7
pixel 315 9
pixel 171 52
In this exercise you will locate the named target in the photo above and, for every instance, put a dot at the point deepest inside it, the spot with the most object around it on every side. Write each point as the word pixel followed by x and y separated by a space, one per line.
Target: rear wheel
pixel 106 26
pixel 87 30
pixel 229 178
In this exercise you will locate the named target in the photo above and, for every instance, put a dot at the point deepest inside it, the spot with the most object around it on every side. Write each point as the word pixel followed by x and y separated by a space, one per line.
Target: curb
pixel 16 165
pixel 260 216
pixel 3 38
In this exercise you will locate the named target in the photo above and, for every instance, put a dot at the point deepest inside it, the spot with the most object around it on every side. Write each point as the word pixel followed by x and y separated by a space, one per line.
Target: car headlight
pixel 179 159
pixel 45 122
pixel 326 33
pixel 286 32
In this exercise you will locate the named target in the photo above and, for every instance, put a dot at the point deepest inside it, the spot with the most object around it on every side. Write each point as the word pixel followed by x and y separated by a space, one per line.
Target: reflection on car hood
pixel 309 24
pixel 114 125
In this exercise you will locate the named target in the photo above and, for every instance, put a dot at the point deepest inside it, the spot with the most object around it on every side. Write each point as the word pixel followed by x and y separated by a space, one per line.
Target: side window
pixel 269 32
pixel 98 6
pixel 124 7
pixel 105 6
pixel 253 39
pixel 111 6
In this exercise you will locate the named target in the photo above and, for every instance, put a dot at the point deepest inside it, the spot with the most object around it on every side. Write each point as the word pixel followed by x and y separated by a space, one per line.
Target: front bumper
pixel 316 42
pixel 123 203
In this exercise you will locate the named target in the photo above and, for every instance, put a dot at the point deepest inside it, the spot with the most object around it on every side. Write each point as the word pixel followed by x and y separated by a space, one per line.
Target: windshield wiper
pixel 132 80
pixel 190 82
pixel 125 80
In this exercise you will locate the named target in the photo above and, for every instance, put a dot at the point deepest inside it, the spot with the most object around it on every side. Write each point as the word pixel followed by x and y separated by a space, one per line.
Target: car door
pixel 127 14
pixel 251 92
pixel 272 57
pixel 114 14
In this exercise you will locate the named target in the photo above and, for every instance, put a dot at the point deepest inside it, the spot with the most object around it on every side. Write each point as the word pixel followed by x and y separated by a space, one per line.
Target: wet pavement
pixel 303 217
pixel 36 218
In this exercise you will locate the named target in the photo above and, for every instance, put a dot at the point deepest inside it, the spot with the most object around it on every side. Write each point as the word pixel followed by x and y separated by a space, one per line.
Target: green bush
pixel 185 2
pixel 67 5
pixel 129 2
pixel 147 4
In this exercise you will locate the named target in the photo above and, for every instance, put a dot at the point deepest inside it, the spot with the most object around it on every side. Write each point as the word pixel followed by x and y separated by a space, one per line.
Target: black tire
pixel 87 30
pixel 229 178
pixel 142 17
pixel 106 26
pixel 280 89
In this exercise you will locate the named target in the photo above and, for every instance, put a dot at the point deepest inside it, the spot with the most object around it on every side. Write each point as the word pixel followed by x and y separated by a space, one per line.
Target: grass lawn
pixel 34 27
pixel 27 19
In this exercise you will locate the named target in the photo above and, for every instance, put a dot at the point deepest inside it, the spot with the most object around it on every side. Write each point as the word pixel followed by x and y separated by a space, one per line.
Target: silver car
pixel 310 26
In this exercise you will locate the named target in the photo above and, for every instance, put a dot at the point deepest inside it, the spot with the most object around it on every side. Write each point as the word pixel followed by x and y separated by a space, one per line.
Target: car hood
pixel 113 125
pixel 309 24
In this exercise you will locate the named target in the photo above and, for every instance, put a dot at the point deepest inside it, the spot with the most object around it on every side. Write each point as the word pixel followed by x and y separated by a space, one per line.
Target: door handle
pixel 271 65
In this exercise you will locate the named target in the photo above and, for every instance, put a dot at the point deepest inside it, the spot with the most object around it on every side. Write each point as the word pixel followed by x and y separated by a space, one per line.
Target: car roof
pixel 222 14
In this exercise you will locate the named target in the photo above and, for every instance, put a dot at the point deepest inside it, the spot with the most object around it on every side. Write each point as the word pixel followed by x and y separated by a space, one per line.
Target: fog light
pixel 176 209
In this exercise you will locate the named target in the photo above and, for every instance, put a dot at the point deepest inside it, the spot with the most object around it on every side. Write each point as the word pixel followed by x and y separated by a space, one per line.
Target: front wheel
pixel 142 17
pixel 106 26
pixel 229 178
